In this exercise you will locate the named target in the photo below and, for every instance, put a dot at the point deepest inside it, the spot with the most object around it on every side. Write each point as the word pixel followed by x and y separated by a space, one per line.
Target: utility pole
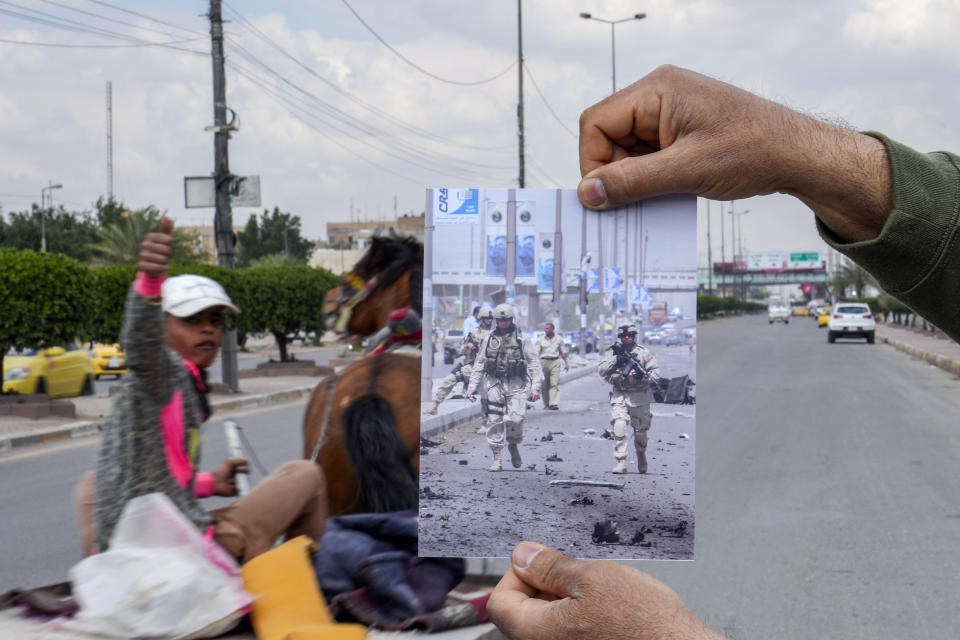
pixel 522 181
pixel 223 218
pixel 709 254
pixel 109 141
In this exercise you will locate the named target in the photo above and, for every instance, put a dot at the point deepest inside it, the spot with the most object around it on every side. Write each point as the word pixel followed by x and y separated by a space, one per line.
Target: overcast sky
pixel 328 115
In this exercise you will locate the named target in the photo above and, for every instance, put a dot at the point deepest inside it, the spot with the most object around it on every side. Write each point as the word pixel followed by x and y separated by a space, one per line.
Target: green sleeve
pixel 916 257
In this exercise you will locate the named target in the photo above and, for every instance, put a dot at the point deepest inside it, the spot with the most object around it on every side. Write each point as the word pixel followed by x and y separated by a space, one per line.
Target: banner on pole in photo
pixel 456 206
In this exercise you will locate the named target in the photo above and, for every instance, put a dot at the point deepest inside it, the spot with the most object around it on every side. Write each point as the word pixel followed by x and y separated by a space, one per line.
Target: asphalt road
pixel 827 501
pixel 467 510
pixel 38 528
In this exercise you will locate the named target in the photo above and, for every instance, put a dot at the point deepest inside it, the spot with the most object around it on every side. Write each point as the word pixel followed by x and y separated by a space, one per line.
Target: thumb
pixel 547 570
pixel 630 179
pixel 166 225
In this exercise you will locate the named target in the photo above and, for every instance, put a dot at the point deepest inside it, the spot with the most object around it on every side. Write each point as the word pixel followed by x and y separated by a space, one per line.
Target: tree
pixel 46 299
pixel 853 276
pixel 285 300
pixel 67 232
pixel 110 286
pixel 119 242
pixel 273 233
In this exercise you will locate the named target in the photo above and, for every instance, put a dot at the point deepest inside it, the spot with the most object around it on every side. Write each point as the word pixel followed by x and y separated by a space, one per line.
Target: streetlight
pixel 43 218
pixel 613 38
pixel 737 240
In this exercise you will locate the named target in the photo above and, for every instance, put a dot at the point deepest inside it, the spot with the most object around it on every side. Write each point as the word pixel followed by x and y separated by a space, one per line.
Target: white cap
pixel 188 294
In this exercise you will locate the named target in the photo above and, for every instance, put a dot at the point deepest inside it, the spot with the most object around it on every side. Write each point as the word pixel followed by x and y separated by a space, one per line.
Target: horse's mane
pixel 391 257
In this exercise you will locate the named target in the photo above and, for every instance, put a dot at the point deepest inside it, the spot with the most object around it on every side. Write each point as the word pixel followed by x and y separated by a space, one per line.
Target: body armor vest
pixel 504 356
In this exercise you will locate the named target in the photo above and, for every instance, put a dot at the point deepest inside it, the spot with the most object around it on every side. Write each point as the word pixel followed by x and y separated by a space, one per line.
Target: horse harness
pixel 358 291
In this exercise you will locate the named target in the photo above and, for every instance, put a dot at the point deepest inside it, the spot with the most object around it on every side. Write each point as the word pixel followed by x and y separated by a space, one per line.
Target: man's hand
pixel 548 595
pixel 469 392
pixel 676 131
pixel 156 250
pixel 534 395
pixel 225 483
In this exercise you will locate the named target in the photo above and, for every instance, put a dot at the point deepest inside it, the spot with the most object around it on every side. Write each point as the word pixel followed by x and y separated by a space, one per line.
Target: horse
pixel 362 426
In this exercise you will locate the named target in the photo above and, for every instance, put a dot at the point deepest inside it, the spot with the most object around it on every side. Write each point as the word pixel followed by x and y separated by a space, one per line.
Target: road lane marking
pixel 40 452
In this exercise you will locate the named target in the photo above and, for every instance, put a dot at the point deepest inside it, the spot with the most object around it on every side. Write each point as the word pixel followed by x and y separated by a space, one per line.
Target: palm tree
pixel 119 243
pixel 852 275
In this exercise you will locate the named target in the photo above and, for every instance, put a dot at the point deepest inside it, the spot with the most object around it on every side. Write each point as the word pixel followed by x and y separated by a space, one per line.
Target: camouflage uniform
pixel 460 373
pixel 630 401
pixel 510 371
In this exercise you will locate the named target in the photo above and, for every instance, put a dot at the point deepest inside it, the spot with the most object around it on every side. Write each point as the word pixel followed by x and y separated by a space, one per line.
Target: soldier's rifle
pixel 627 362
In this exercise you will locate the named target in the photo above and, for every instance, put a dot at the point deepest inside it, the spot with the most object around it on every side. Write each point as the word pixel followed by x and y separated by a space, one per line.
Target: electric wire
pixel 418 67
pixel 293 110
pixel 102 46
pixel 147 17
pixel 352 122
pixel 103 17
pixel 526 68
pixel 438 166
pixel 380 112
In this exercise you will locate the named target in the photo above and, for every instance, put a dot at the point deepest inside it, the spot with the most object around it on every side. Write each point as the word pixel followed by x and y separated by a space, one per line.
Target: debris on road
pixel 679 531
pixel 605 531
pixel 582 500
pixel 547 438
pixel 429 494
pixel 554 458
pixel 587 483
pixel 424 442
pixel 463 462
pixel 685 436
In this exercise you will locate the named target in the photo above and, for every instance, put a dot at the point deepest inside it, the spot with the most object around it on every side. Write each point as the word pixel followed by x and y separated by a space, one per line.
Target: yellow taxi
pixel 801 311
pixel 108 360
pixel 59 372
pixel 824 316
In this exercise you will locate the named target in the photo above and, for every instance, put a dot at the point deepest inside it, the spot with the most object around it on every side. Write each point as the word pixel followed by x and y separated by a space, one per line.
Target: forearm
pixel 842 175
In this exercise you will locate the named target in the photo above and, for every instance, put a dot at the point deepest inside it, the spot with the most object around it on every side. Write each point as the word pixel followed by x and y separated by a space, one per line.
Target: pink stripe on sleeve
pixel 171 417
pixel 147 286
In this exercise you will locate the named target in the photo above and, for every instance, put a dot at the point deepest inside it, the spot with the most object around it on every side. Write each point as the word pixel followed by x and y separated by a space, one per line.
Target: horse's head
pixel 389 276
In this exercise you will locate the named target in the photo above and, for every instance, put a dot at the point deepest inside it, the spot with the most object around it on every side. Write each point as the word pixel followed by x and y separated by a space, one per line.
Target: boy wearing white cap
pixel 172 332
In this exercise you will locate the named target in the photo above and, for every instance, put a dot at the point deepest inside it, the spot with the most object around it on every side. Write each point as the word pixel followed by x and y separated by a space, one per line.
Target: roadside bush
pixel 709 306
pixel 47 298
pixel 286 300
pixel 110 286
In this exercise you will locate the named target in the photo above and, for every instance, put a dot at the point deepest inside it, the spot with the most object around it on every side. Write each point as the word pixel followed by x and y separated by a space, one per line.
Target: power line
pixel 151 18
pixel 439 165
pixel 526 68
pixel 100 16
pixel 418 67
pixel 380 112
pixel 350 121
pixel 105 46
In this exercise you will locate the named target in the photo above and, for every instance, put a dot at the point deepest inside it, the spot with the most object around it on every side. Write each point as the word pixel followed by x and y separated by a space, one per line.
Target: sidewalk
pixel 457 411
pixel 938 350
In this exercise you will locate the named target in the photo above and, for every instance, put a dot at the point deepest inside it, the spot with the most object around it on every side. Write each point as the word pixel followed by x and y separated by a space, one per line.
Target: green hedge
pixel 50 299
pixel 708 306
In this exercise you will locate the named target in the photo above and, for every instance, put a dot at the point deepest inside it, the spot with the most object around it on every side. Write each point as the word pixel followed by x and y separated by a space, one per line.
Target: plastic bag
pixel 160 578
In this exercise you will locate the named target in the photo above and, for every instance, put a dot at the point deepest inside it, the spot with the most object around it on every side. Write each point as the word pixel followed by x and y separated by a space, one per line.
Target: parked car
pixel 801 311
pixel 674 340
pixel 451 345
pixel 60 372
pixel 107 360
pixel 851 320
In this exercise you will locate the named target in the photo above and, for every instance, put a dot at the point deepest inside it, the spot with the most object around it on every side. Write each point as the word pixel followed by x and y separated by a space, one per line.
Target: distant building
pixel 357 235
pixel 208 240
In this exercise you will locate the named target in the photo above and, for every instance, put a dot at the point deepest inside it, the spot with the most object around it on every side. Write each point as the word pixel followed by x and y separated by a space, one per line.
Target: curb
pixel 88 428
pixel 947 364
pixel 433 426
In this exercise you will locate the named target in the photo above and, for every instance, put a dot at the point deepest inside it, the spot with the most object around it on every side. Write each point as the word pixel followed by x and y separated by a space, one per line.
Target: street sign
pixel 200 191
pixel 804 260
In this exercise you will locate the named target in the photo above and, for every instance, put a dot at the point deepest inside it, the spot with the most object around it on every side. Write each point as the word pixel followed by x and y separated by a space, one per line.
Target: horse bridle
pixel 353 290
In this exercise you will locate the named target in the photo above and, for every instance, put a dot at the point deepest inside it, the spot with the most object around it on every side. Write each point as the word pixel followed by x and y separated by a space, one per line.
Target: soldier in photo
pixel 631 369
pixel 511 372
pixel 550 350
pixel 468 349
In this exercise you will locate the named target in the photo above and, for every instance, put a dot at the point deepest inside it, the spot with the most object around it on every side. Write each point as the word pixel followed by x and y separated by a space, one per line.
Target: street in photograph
pixel 559 375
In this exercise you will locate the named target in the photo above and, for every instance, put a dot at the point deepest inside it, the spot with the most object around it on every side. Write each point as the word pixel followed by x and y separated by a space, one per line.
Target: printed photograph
pixel 558 391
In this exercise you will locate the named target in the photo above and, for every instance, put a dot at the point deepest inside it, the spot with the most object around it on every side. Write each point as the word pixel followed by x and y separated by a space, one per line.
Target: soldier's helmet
pixel 485 312
pixel 503 312
pixel 627 329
